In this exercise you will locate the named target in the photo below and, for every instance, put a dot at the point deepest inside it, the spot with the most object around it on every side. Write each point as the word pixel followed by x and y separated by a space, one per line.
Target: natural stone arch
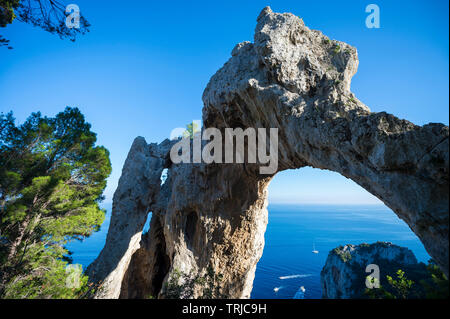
pixel 297 80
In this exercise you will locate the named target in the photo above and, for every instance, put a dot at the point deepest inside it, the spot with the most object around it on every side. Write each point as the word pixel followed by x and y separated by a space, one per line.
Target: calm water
pixel 291 233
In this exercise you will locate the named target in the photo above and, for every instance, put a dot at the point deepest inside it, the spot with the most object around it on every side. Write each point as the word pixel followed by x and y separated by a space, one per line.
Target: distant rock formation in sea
pixel 344 274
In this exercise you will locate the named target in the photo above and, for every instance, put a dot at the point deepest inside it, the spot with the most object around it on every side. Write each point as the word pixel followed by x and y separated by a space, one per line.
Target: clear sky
pixel 143 67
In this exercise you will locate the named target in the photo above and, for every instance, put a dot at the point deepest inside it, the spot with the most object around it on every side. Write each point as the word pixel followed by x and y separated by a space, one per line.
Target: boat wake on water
pixel 294 276
pixel 277 288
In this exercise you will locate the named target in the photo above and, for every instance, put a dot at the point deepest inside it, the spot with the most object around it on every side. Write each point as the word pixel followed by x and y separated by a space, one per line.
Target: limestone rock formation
pixel 344 273
pixel 212 218
pixel 137 190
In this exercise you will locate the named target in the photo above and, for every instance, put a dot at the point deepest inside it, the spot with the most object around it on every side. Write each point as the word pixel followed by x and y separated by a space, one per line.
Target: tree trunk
pixel 16 242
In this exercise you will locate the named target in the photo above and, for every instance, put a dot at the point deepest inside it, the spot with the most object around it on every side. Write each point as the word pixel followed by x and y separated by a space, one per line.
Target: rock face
pixel 137 191
pixel 212 218
pixel 344 273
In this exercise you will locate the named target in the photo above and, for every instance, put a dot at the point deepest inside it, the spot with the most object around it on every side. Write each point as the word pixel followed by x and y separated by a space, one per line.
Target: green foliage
pixel 52 177
pixel 181 285
pixel 343 255
pixel 437 286
pixel 210 284
pixel 7 14
pixel 377 293
pixel 402 285
pixel 433 285
pixel 400 288
pixel 191 130
pixel 46 276
pixel 336 49
pixel 49 15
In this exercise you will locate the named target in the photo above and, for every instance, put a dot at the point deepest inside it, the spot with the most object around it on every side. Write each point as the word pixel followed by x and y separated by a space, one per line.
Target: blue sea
pixel 293 230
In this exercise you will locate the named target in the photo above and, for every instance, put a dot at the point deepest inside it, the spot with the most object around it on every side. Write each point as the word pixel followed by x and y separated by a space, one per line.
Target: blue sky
pixel 142 69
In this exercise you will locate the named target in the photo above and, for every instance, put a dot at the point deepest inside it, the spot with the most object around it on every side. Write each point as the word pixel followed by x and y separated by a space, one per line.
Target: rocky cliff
pixel 344 274
pixel 211 218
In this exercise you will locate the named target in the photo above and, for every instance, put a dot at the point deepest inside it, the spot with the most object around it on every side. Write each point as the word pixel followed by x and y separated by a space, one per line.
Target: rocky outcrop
pixel 344 274
pixel 137 191
pixel 212 218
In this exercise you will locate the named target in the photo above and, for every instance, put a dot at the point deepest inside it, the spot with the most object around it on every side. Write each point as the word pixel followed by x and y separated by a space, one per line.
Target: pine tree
pixel 52 176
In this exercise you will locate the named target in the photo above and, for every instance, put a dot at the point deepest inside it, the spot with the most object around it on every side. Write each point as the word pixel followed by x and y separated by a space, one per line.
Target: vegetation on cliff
pixel 183 286
pixel 433 285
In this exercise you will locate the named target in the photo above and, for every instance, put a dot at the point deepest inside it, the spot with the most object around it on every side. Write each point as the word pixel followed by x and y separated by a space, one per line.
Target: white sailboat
pixel 314 249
